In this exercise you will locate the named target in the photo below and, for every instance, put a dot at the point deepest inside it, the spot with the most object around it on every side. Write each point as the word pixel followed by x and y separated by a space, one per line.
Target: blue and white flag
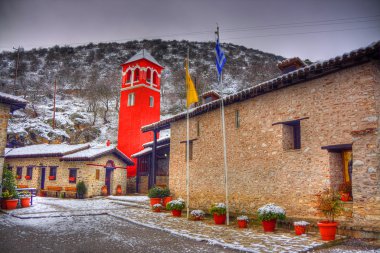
pixel 220 58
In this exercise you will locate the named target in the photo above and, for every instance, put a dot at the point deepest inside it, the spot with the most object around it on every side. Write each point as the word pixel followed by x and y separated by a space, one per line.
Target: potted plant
pixel 330 204
pixel 268 215
pixel 344 190
pixel 71 179
pixel 104 190
pixel 157 208
pixel 165 195
pixel 300 227
pixel 243 221
pixel 155 194
pixel 25 198
pixel 18 177
pixel 81 189
pixel 51 177
pixel 218 210
pixel 28 177
pixel 197 214
pixel 10 195
pixel 176 207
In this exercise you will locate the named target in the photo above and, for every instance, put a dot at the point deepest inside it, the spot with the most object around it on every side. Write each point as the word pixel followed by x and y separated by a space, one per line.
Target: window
pixel 9 168
pixel 198 128
pixel 292 135
pixel 72 176
pixel 151 101
pixel 148 75
pixel 97 174
pixel 131 99
pixel 53 172
pixel 190 151
pixel 136 75
pixel 155 78
pixel 237 119
pixel 19 173
pixel 129 75
pixel 29 172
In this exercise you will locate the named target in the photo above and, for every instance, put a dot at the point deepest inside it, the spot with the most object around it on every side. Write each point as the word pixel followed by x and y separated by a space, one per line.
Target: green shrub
pixel 9 183
pixel 177 204
pixel 271 212
pixel 165 192
pixel 155 192
pixel 81 188
pixel 218 208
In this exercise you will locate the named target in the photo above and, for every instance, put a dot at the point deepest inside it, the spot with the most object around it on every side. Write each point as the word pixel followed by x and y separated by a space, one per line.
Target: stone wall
pixel 4 116
pixel 262 168
pixel 85 173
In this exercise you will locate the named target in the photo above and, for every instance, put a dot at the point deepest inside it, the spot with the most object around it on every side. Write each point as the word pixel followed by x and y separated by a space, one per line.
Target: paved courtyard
pixel 125 224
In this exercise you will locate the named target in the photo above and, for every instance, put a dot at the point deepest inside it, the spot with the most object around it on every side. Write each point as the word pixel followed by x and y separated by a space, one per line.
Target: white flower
pixel 197 213
pixel 243 217
pixel 220 205
pixel 301 223
pixel 157 206
pixel 271 208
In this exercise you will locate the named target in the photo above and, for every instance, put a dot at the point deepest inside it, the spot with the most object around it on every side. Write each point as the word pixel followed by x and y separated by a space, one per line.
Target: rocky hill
pixel 88 80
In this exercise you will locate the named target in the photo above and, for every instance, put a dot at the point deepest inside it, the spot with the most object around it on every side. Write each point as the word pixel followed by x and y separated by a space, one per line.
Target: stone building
pixel 56 168
pixel 8 104
pixel 288 139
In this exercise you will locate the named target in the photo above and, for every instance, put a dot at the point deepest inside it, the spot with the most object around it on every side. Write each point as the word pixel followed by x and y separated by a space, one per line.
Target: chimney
pixel 108 143
pixel 290 65
pixel 210 96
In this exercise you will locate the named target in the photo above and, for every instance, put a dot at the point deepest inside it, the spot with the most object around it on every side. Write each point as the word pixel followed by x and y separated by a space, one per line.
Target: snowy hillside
pixel 88 81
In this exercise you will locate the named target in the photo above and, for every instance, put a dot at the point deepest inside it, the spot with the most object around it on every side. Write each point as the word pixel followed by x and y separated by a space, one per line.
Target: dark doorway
pixel 43 178
pixel 108 180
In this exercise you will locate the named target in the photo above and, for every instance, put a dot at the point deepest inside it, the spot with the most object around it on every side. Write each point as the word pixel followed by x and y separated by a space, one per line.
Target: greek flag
pixel 220 58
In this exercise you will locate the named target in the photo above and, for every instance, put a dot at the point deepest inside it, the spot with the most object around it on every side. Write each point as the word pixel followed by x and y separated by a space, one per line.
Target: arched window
pixel 155 78
pixel 148 75
pixel 136 75
pixel 129 75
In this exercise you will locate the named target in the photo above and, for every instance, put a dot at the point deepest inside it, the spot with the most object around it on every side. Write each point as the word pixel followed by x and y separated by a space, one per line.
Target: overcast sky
pixel 310 29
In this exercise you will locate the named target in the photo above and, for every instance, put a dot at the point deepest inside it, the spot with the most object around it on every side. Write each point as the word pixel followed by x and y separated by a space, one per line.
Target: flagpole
pixel 187 148
pixel 224 141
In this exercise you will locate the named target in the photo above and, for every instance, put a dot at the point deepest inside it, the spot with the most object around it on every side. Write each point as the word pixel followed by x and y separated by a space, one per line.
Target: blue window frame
pixel 29 171
pixel 53 171
pixel 73 174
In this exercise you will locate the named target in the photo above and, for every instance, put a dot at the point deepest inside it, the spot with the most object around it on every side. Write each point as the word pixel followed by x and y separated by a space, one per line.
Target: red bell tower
pixel 139 103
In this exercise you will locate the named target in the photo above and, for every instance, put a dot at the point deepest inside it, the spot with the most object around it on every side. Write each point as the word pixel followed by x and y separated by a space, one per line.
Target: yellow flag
pixel 191 93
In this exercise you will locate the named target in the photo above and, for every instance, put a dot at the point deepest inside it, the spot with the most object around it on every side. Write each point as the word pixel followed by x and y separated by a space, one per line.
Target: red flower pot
pixel 154 201
pixel 219 219
pixel 71 179
pixel 118 190
pixel 18 177
pixel 166 200
pixel 28 177
pixel 269 225
pixel 242 223
pixel 327 230
pixel 344 196
pixel 25 202
pixel 11 203
pixel 177 213
pixel 300 230
pixel 51 177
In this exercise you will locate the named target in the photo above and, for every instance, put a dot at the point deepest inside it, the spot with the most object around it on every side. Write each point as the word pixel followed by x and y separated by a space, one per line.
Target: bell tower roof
pixel 143 54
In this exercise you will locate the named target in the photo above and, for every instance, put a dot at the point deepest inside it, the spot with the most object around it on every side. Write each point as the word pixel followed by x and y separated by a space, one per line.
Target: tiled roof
pixel 44 150
pixel 14 101
pixel 301 75
pixel 95 152
pixel 160 141
pixel 143 54
pixel 148 150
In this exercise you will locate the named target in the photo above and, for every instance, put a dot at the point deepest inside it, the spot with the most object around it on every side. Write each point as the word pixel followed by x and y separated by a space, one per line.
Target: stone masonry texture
pixel 342 108
pixel 85 173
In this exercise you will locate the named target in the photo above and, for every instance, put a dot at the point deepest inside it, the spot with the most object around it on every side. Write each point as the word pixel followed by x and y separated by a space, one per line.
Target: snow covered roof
pixel 94 152
pixel 44 150
pixel 148 150
pixel 14 101
pixel 300 75
pixel 143 54
pixel 160 141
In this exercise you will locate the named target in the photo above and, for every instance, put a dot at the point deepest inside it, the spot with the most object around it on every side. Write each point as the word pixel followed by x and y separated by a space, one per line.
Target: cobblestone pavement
pixel 251 240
